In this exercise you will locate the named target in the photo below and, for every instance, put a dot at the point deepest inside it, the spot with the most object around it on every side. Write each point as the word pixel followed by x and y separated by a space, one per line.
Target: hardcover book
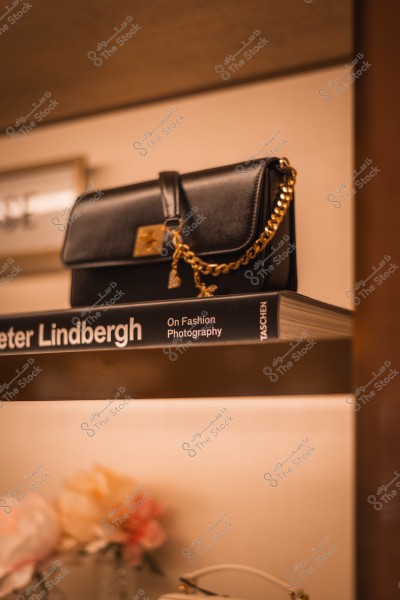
pixel 248 318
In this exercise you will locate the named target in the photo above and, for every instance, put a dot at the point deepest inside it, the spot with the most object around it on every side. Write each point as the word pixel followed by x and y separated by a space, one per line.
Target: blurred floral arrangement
pixel 95 512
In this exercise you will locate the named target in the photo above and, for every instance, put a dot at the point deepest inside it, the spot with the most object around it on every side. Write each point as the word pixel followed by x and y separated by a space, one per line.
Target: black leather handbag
pixel 227 230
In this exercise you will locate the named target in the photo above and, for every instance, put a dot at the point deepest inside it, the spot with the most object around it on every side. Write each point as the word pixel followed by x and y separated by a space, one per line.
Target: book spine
pixel 173 325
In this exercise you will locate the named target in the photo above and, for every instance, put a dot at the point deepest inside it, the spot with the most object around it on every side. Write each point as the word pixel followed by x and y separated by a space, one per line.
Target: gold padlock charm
pixel 174 281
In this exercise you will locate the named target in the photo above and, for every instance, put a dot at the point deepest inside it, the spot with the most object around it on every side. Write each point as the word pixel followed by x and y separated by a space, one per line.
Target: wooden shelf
pixel 175 52
pixel 202 371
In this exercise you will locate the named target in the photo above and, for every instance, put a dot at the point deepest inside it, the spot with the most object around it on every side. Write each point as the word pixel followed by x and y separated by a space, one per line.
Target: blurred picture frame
pixel 34 208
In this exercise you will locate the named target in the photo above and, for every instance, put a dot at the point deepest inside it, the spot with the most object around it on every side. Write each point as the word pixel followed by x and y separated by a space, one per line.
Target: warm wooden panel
pixel 175 52
pixel 377 316
pixel 202 371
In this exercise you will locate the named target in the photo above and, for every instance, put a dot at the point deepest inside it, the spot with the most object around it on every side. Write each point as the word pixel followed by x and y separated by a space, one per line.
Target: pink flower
pixel 140 530
pixel 27 536
pixel 100 507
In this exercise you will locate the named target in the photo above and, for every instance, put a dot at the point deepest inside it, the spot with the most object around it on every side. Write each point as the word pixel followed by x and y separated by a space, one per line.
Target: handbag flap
pixel 221 208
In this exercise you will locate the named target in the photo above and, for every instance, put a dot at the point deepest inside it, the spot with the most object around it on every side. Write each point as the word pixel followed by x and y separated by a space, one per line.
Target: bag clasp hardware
pixel 149 240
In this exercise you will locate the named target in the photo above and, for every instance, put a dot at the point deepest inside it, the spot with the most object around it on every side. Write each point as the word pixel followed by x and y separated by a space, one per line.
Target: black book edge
pixel 241 315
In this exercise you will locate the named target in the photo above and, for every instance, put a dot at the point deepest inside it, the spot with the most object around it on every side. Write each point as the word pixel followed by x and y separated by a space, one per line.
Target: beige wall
pixel 274 527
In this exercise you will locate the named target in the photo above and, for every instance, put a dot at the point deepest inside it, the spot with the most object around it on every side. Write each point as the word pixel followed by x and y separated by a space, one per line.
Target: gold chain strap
pixel 199 266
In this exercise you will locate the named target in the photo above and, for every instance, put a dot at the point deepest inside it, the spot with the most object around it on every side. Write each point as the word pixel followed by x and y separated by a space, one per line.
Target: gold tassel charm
pixel 174 281
pixel 206 291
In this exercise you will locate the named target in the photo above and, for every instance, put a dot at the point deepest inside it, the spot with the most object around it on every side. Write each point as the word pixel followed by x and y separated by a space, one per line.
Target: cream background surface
pixel 275 528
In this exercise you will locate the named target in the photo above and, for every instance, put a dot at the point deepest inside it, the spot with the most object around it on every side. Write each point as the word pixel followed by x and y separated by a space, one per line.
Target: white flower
pixel 27 536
